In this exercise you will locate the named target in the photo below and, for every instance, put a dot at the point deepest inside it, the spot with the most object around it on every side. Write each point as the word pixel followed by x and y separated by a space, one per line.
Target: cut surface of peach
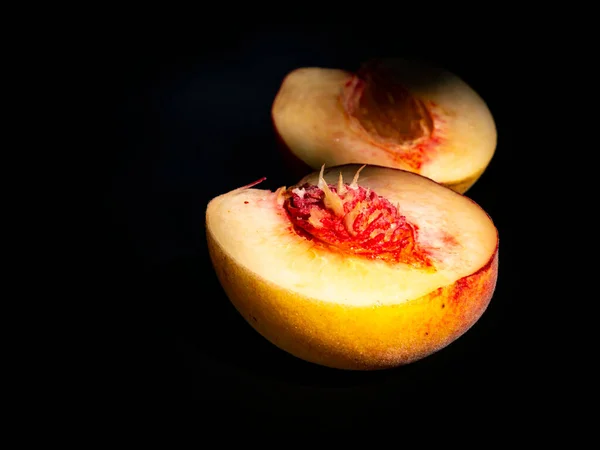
pixel 366 296
pixel 394 113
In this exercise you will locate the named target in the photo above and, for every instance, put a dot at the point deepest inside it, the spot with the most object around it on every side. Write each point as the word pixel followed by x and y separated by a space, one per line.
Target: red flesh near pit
pixel 369 225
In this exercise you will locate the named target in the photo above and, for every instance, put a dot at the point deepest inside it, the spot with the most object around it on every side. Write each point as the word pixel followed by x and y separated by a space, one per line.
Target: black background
pixel 192 122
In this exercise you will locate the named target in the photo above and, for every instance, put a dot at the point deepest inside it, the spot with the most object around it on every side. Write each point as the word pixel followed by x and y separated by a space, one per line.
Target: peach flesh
pixel 393 113
pixel 345 311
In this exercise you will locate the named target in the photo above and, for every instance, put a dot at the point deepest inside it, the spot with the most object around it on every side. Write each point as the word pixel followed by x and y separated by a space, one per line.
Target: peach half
pixel 393 113
pixel 366 275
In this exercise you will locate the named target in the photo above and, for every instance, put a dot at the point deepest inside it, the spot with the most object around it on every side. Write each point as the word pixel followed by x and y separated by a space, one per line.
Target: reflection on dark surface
pixel 199 128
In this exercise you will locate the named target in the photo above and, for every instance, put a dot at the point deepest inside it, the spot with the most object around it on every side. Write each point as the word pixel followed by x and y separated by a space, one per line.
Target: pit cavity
pixel 353 219
pixel 385 109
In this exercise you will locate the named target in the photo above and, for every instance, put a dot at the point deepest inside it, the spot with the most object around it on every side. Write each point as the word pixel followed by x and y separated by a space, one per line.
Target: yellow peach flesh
pixel 342 310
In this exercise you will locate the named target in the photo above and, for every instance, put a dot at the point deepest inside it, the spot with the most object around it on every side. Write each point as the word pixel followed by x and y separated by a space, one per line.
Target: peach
pixel 371 274
pixel 392 113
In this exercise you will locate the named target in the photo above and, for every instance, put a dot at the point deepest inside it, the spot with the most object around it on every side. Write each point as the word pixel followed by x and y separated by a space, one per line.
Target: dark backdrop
pixel 193 121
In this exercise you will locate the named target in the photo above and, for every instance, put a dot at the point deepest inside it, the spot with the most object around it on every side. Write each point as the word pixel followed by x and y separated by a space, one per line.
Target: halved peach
pixel 393 113
pixel 371 274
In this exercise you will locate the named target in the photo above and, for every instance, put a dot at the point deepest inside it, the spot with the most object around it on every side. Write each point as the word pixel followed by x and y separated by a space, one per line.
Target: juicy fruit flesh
pixel 339 310
pixel 353 219
pixel 386 109
pixel 253 229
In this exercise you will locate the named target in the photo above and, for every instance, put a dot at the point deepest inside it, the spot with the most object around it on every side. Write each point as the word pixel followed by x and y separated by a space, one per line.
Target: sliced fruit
pixel 355 268
pixel 393 113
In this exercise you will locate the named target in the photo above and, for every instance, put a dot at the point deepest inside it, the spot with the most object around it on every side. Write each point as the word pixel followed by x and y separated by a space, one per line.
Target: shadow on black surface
pixel 214 353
